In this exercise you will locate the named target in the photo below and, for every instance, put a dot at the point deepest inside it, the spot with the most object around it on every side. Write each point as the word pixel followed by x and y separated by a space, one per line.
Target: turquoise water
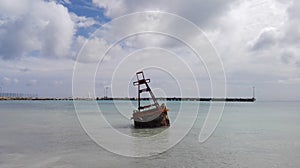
pixel 49 134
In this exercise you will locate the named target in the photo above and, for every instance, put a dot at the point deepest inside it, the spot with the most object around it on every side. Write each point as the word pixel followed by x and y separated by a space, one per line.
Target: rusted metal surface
pixel 152 115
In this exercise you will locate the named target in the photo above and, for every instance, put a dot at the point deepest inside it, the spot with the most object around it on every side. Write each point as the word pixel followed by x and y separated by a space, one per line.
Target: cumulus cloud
pixel 257 40
pixel 113 8
pixel 36 26
pixel 266 38
pixel 292 26
pixel 288 56
pixel 82 21
pixel 247 36
pixel 198 11
pixel 290 40
pixel 90 49
pixel 280 42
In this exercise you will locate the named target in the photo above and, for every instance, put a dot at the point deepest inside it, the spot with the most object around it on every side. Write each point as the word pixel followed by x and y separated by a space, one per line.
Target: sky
pixel 54 48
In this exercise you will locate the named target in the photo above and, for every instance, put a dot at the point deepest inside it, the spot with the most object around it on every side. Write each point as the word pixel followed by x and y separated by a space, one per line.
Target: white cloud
pixel 113 8
pixel 266 38
pixel 245 24
pixel 34 26
pixel 198 11
pixel 46 77
pixel 259 44
pixel 246 34
pixel 290 41
pixel 90 49
pixel 247 37
pixel 82 21
pixel 257 40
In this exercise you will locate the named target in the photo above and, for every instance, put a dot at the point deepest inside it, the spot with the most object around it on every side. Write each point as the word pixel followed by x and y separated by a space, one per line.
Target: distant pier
pixel 186 99
pixel 134 99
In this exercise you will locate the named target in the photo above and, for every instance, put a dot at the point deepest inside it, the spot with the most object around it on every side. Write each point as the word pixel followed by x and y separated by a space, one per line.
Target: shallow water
pixel 49 134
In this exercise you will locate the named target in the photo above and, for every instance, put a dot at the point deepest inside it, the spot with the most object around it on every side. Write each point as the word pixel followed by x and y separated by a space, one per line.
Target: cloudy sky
pixel 256 41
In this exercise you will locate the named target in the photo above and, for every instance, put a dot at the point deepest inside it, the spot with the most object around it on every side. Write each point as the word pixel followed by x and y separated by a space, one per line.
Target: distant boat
pixel 152 115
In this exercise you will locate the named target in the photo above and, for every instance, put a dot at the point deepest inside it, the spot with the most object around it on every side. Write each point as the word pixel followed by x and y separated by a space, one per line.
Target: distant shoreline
pixel 134 99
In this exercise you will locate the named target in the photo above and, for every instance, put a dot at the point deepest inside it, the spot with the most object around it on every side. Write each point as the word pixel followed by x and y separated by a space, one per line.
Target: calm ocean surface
pixel 38 134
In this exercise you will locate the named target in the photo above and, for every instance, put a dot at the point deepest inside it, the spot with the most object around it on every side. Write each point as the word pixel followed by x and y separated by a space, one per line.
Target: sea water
pixel 38 134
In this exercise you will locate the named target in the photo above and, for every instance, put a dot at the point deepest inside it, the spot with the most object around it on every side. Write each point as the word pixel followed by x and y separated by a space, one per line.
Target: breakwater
pixel 134 99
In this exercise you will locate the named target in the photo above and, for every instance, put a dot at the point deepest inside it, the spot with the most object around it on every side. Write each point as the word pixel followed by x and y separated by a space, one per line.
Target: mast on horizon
pixel 253 92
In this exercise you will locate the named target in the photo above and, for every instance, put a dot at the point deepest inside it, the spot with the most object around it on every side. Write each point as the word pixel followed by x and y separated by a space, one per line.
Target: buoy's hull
pixel 151 118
